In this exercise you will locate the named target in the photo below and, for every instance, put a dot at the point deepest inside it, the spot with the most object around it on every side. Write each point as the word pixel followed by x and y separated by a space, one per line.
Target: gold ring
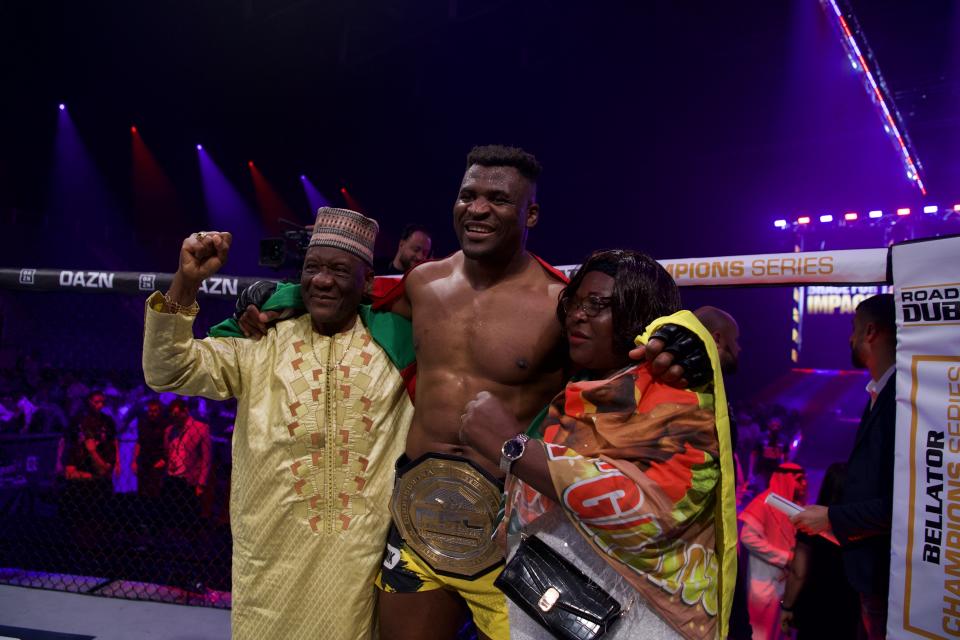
pixel 199 235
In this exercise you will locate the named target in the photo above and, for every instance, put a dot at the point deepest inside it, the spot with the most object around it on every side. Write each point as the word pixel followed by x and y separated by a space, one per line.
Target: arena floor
pixel 44 615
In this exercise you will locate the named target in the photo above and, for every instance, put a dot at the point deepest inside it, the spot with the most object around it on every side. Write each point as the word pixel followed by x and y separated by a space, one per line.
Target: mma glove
pixel 256 294
pixel 688 351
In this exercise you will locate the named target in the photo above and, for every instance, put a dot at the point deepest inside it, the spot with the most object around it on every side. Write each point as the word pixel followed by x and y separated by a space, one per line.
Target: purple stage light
pixel 956 208
pixel 876 213
pixel 930 208
pixel 826 218
pixel 62 106
pixel 227 210
pixel 79 196
pixel 315 199
pixel 199 147
pixel 903 211
pixel 803 220
pixel 780 224
pixel 850 217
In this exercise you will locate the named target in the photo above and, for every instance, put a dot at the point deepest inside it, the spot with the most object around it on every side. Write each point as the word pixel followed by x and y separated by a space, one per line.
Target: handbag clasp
pixel 548 599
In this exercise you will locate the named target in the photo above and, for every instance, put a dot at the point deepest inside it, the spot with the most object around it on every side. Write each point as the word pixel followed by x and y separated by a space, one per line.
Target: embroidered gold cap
pixel 347 230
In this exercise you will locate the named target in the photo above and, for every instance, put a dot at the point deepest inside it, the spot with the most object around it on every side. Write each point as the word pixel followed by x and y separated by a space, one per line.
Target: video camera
pixel 286 252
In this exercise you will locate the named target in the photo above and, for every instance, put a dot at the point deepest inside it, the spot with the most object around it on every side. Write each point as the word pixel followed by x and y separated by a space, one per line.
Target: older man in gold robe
pixel 323 414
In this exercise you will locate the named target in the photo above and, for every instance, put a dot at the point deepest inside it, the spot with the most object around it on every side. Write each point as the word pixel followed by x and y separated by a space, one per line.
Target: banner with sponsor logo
pixel 850 266
pixel 845 266
pixel 925 554
pixel 129 282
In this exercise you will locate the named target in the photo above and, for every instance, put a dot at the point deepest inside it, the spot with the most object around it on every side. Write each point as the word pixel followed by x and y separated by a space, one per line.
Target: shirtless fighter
pixel 484 319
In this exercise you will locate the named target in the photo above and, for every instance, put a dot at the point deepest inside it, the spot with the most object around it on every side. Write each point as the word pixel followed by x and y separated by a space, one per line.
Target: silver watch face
pixel 512 449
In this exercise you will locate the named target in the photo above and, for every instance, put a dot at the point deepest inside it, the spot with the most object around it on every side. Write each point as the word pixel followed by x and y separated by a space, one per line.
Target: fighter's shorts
pixel 444 509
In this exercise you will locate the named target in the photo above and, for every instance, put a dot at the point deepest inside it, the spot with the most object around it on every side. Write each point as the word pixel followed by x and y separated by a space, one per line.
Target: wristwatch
pixel 511 451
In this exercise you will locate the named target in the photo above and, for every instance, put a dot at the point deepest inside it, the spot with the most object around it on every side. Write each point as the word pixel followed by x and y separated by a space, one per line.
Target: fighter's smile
pixel 478 230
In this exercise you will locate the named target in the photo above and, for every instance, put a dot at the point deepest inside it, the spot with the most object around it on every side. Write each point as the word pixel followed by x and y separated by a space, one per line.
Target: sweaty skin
pixel 504 339
pixel 484 318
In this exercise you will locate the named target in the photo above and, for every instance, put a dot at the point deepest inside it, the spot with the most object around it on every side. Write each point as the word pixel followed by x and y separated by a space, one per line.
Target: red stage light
pixel 803 220
pixel 133 129
pixel 250 163
pixel 850 216
pixel 343 189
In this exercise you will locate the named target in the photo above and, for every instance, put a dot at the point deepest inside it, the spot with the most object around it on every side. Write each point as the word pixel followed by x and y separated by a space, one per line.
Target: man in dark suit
pixel 861 519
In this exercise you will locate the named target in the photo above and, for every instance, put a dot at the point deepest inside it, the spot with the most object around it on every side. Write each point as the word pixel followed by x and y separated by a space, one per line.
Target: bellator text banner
pixel 925 550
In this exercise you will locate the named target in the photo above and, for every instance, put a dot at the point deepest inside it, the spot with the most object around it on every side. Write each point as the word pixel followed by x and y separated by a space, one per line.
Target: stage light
pixel 780 224
pixel 199 147
pixel 956 208
pixel 133 129
pixel 903 211
pixel 876 213
pixel 343 189
pixel 858 52
pixel 850 216
pixel 250 163
pixel 303 177
pixel 826 218
pixel 930 208
pixel 62 106
pixel 803 220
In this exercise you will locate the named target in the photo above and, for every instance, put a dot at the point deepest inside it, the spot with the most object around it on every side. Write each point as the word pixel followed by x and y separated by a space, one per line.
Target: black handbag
pixel 556 594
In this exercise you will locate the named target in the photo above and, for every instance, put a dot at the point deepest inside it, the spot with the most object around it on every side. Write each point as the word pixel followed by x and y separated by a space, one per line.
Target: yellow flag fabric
pixel 726 515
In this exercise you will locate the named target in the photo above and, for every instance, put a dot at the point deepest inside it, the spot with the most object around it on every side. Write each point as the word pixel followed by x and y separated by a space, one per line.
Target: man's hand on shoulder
pixel 254 323
pixel 677 357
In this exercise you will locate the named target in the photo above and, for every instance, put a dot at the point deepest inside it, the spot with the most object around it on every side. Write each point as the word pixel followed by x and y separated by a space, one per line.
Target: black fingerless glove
pixel 256 294
pixel 688 351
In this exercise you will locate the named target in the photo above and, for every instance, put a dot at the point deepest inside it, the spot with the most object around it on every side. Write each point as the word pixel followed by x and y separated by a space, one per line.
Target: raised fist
pixel 203 254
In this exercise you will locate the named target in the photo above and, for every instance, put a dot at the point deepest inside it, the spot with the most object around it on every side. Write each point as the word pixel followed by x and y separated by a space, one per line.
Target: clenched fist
pixel 203 254
pixel 486 423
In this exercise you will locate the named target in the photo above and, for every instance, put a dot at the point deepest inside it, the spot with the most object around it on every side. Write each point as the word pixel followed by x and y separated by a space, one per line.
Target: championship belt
pixel 445 508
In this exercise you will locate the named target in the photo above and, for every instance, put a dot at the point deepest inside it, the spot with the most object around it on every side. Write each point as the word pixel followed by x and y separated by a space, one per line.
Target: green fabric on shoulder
pixel 393 333
pixel 286 296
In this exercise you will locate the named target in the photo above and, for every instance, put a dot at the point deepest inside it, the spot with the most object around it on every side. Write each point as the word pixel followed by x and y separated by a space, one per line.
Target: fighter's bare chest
pixel 502 336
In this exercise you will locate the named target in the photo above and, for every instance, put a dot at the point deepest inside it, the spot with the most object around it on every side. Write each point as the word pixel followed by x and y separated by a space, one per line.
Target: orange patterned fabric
pixel 637 466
